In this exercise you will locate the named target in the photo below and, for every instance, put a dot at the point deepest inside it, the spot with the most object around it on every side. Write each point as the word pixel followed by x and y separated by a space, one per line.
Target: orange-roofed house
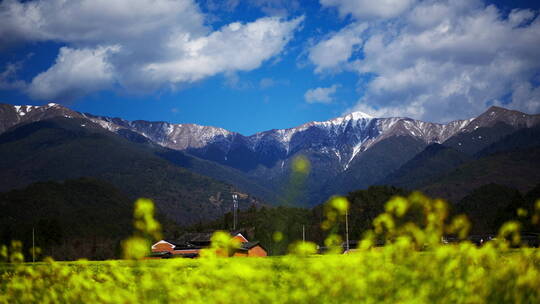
pixel 190 244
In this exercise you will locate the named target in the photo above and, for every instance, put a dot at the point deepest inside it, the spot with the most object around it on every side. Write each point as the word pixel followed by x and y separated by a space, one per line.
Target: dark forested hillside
pixel 64 148
pixel 519 169
pixel 491 205
pixel 426 166
pixel 77 218
pixel 500 156
pixel 374 164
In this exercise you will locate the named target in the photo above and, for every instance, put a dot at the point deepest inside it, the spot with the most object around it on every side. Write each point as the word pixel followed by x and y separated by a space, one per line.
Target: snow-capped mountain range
pixel 344 136
pixel 355 149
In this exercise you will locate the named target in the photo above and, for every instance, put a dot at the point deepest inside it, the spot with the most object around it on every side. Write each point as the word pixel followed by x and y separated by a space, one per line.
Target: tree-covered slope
pixel 76 218
pixel 373 165
pixel 489 206
pixel 63 148
pixel 519 169
pixel 435 160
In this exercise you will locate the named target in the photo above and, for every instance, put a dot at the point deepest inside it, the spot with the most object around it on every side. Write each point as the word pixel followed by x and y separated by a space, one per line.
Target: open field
pixel 449 274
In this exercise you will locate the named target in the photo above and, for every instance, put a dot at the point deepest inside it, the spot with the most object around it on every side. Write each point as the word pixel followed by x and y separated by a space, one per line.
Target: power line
pixel 347 230
pixel 33 246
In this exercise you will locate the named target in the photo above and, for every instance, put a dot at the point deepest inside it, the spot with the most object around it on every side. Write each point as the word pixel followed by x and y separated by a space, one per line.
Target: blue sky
pixel 250 66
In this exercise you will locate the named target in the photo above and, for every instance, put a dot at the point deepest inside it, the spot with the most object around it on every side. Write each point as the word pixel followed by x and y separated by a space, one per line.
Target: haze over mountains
pixel 346 153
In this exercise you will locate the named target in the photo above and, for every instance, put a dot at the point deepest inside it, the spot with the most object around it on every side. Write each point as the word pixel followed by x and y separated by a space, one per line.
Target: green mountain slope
pixel 518 169
pixel 435 160
pixel 480 138
pixel 374 164
pixel 219 172
pixel 204 167
pixel 521 139
pixel 63 148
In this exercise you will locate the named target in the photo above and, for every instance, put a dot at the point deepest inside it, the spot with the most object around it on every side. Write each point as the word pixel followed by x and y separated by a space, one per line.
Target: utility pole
pixel 303 233
pixel 33 246
pixel 347 230
pixel 235 206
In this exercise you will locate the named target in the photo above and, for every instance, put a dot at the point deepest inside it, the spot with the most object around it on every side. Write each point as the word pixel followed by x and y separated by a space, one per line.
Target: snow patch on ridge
pixel 23 110
pixel 336 151
pixel 170 129
pixel 355 151
pixel 343 121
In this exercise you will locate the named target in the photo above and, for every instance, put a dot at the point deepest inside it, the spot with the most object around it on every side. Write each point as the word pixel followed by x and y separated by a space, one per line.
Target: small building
pixel 189 245
pixel 251 249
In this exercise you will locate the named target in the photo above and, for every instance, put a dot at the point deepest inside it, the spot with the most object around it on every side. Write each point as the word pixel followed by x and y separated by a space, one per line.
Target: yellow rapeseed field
pixel 414 266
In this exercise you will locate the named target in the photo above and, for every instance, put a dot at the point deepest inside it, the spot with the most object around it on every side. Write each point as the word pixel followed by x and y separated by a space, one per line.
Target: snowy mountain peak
pixel 359 115
pixel 495 115
pixel 354 116
pixel 341 121
pixel 348 117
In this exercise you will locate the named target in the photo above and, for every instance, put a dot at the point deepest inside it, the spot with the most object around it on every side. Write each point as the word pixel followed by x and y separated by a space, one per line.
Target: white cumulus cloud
pixel 321 95
pixel 235 47
pixel 75 73
pixel 337 48
pixel 97 21
pixel 136 44
pixel 445 60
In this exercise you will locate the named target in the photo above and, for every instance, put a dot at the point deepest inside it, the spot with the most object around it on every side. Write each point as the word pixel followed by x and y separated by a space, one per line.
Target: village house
pixel 189 245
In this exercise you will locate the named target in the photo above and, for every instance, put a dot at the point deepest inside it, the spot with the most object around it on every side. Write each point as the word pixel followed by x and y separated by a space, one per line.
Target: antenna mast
pixel 235 206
